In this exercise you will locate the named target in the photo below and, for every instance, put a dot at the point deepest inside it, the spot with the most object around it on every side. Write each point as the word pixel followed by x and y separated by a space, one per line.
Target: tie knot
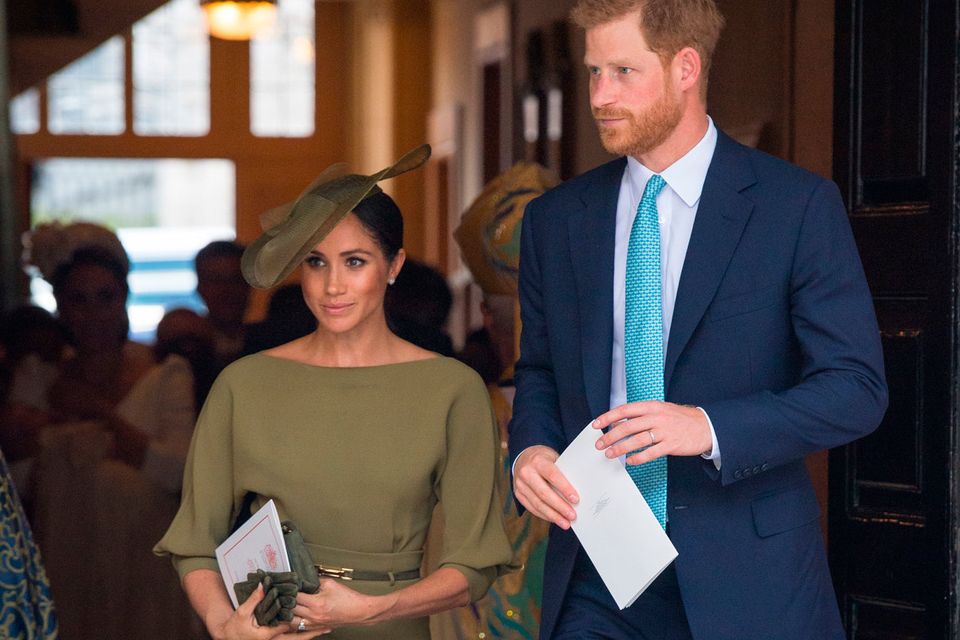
pixel 654 186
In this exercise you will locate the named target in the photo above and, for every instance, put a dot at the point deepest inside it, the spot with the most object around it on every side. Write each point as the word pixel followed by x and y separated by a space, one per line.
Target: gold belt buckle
pixel 344 573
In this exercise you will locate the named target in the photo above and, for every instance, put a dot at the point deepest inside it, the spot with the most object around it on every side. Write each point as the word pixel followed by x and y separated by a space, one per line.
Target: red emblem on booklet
pixel 271 557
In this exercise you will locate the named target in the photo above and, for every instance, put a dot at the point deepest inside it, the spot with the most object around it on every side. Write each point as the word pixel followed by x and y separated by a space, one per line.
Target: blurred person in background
pixel 33 344
pixel 186 333
pixel 417 306
pixel 288 318
pixel 106 477
pixel 226 294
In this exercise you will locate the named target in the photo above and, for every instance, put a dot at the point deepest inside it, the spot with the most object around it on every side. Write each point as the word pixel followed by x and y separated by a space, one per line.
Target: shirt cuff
pixel 715 449
pixel 514 465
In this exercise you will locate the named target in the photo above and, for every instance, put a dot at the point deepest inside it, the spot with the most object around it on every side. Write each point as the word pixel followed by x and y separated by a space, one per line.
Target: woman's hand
pixel 336 605
pixel 242 625
pixel 209 599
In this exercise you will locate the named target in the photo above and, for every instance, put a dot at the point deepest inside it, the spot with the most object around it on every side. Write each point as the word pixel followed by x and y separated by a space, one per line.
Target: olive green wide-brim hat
pixel 292 230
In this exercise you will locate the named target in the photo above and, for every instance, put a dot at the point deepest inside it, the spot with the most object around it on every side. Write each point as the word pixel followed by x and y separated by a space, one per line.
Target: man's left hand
pixel 658 428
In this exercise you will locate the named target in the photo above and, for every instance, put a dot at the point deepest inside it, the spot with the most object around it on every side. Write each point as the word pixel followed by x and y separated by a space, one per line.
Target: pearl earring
pixel 391 280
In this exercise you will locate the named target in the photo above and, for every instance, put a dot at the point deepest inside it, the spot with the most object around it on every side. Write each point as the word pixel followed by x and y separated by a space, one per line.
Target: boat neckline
pixel 361 368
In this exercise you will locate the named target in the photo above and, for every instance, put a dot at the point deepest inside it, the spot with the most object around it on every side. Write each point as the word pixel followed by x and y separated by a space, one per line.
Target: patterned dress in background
pixel 27 609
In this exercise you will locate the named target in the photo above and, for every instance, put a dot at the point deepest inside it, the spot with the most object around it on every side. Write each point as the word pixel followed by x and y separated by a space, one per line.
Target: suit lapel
pixel 721 218
pixel 592 232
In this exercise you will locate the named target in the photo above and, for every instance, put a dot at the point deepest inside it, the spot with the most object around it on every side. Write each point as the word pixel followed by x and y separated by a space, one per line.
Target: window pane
pixel 87 96
pixel 282 74
pixel 171 72
pixel 164 211
pixel 25 112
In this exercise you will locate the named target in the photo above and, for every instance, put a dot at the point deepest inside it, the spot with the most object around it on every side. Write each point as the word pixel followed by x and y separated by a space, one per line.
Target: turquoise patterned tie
pixel 643 334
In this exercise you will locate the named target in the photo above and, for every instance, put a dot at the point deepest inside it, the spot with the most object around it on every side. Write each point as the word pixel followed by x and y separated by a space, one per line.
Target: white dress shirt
pixel 677 208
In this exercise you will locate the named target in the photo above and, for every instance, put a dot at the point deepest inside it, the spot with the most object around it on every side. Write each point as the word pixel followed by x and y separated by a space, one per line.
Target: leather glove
pixel 246 588
pixel 279 595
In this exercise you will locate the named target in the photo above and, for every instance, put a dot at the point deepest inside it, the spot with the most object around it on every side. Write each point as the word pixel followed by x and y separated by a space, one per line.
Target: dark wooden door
pixel 893 495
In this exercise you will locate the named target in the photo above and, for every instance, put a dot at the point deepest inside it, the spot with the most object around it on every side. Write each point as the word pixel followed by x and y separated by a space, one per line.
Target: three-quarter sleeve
pixel 204 517
pixel 474 540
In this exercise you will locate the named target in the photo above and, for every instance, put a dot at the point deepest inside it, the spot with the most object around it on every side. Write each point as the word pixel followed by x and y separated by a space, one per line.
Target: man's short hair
pixel 219 249
pixel 667 25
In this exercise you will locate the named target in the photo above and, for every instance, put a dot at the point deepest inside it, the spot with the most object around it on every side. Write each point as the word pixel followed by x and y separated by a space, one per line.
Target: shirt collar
pixel 685 176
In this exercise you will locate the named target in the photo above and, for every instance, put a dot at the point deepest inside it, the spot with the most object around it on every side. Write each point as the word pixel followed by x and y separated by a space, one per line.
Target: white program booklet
pixel 257 544
pixel 615 525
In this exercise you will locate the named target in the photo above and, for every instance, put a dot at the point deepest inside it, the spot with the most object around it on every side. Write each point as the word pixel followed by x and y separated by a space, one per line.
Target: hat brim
pixel 278 251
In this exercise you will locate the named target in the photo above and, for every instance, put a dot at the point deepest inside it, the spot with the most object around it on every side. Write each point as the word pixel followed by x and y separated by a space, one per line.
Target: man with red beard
pixel 704 305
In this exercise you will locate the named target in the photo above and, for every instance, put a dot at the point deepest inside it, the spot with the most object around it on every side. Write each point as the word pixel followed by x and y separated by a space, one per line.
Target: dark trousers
pixel 589 611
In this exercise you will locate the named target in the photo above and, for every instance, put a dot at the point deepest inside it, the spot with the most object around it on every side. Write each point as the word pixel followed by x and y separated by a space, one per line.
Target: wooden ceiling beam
pixel 35 54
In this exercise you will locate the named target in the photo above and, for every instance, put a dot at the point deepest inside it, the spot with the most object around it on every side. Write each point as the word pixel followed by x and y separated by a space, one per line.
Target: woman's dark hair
pixel 91 256
pixel 381 217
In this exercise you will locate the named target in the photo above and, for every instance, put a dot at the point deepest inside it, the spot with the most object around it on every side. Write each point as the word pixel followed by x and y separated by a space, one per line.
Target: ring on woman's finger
pixel 302 626
pixel 653 439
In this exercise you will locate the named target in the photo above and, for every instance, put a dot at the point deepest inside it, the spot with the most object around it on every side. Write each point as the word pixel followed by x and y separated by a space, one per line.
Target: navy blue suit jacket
pixel 774 335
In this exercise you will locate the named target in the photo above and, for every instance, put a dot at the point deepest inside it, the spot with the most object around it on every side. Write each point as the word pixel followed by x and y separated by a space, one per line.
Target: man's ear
pixel 688 67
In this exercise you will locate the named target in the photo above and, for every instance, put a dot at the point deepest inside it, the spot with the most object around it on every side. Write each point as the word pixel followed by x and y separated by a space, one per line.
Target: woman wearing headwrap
pixel 489 240
pixel 354 433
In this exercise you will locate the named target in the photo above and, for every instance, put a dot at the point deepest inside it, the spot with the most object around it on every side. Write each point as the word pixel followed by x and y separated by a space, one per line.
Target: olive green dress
pixel 357 458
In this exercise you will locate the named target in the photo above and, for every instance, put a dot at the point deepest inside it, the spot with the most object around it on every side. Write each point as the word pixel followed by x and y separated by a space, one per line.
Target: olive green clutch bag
pixel 300 561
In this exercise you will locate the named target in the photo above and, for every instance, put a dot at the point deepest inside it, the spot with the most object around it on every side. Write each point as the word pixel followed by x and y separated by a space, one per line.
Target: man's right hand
pixel 540 486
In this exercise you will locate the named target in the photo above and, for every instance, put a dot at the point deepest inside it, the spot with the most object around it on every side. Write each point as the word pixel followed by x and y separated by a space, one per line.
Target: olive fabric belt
pixel 356 565
pixel 346 573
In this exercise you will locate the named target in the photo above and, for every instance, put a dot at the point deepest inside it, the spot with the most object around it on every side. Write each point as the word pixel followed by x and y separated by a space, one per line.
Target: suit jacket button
pixel 757 469
pixel 764 466
pixel 738 474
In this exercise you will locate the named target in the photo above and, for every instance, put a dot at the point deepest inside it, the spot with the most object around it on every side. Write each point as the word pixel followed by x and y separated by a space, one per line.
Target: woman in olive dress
pixel 354 433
